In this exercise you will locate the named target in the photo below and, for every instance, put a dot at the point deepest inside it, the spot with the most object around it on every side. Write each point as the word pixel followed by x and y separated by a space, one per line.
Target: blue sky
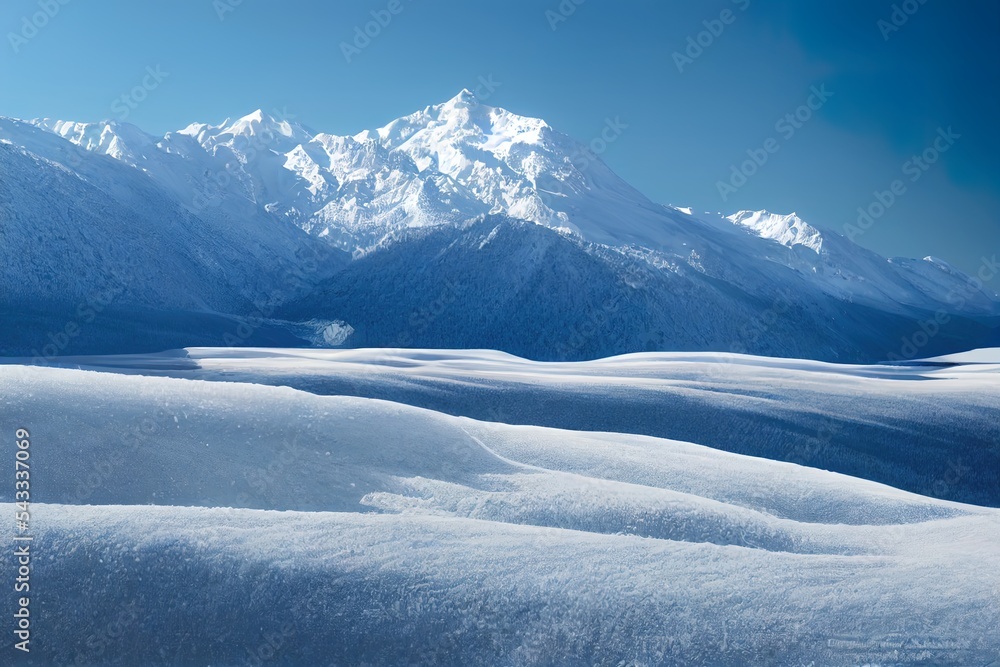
pixel 893 89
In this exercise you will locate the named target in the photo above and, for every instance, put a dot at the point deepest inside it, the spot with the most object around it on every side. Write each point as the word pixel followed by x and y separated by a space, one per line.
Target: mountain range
pixel 462 225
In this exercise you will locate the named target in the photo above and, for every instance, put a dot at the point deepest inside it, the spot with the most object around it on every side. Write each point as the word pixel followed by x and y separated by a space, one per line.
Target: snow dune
pixel 931 429
pixel 187 521
pixel 204 586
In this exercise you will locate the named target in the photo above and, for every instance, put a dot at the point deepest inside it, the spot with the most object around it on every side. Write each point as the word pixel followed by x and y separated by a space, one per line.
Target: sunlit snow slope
pixel 933 429
pixel 217 523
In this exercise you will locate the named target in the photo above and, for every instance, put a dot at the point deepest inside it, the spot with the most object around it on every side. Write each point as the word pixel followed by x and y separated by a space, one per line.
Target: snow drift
pixel 195 522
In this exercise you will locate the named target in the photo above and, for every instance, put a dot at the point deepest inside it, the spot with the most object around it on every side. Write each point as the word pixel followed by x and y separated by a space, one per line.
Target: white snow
pixel 141 226
pixel 788 230
pixel 460 159
pixel 981 356
pixel 520 544
pixel 806 412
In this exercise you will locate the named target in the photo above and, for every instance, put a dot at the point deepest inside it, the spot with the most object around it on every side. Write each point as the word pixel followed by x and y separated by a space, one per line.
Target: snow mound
pixel 863 421
pixel 202 522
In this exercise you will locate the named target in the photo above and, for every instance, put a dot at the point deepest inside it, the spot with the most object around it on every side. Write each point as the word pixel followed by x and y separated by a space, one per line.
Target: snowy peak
pixel 460 159
pixel 464 100
pixel 461 123
pixel 258 123
pixel 242 196
pixel 520 166
pixel 121 141
pixel 467 115
pixel 258 129
pixel 475 157
pixel 788 230
pixel 943 266
pixel 465 95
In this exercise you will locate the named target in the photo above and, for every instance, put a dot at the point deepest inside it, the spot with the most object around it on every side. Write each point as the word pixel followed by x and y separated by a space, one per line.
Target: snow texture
pixel 192 521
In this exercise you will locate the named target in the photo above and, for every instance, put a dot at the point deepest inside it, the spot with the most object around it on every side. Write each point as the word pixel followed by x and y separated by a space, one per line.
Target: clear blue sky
pixel 607 59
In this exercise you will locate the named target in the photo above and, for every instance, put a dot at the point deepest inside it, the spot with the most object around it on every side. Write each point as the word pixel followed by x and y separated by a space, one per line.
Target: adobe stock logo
pixel 697 44
pixel 612 131
pixel 365 34
pixel 584 156
pixel 223 7
pixel 562 12
pixel 899 17
pixel 957 299
pixel 786 126
pixel 125 104
pixel 31 25
pixel 914 169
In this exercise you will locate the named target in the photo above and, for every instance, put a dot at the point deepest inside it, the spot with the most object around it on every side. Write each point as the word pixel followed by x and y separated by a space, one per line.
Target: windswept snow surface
pixel 932 429
pixel 187 521
pixel 981 356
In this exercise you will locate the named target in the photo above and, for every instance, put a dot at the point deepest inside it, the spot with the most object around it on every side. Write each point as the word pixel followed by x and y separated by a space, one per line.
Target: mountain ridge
pixel 461 165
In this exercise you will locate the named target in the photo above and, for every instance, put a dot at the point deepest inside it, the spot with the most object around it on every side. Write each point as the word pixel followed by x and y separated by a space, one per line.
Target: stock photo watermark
pixel 22 540
pixel 225 7
pixel 86 313
pixel 786 127
pixel 32 24
pixel 899 17
pixel 698 43
pixel 958 298
pixel 214 185
pixel 612 131
pixel 584 156
pixel 485 87
pixel 99 643
pixel 913 169
pixel 562 12
pixel 596 320
pixel 123 105
pixel 365 34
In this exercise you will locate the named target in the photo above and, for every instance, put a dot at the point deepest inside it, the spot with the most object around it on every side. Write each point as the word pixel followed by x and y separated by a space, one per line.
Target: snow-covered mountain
pixel 263 189
pixel 91 246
